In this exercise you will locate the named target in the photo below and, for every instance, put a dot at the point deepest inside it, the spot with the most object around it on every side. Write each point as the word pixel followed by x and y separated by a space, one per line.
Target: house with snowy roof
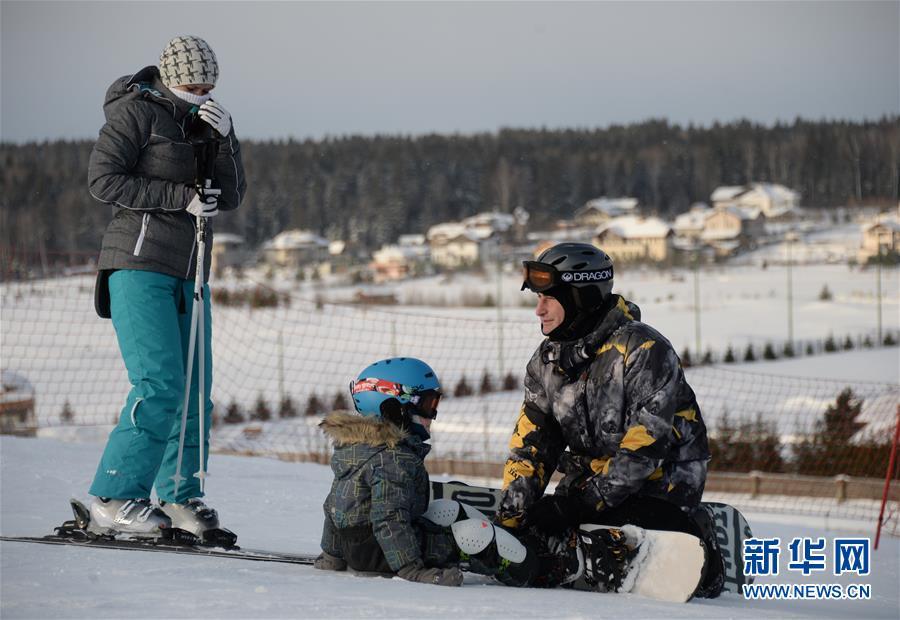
pixel 688 226
pixel 399 260
pixel 774 201
pixel 598 211
pixel 631 238
pixel 472 241
pixel 880 237
pixel 296 248
pixel 730 229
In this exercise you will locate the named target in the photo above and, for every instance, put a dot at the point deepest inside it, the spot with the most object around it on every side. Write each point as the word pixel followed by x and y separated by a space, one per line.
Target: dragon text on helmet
pixel 600 275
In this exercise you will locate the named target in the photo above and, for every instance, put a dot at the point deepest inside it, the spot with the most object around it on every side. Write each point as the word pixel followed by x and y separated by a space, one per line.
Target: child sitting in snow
pixel 377 516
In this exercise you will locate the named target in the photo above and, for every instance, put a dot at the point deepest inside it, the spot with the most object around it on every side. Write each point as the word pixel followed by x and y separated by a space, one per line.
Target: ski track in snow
pixel 276 505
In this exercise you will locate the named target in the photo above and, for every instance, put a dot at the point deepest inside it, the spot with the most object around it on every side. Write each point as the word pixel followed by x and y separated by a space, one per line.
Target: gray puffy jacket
pixel 613 412
pixel 143 165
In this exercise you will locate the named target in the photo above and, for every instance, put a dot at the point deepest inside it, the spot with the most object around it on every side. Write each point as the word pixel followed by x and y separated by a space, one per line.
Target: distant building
pixel 470 242
pixel 773 200
pixel 16 405
pixel 688 226
pixel 730 229
pixel 489 224
pixel 296 248
pixel 880 237
pixel 400 260
pixel 598 211
pixel 631 238
pixel 228 250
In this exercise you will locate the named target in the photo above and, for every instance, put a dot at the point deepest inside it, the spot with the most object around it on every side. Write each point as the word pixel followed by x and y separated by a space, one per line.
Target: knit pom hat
pixel 188 60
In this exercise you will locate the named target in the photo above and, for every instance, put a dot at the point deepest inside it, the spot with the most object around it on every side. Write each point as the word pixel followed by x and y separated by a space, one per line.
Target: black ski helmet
pixel 578 275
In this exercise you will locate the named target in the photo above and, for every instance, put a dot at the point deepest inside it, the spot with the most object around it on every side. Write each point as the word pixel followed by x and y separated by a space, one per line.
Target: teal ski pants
pixel 151 313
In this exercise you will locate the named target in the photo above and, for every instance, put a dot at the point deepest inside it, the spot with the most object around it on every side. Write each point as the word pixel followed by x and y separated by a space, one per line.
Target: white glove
pixel 218 117
pixel 205 203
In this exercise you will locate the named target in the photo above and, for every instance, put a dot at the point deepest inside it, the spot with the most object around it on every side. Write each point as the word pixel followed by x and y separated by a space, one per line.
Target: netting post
pixel 840 492
pixel 755 480
pixel 887 478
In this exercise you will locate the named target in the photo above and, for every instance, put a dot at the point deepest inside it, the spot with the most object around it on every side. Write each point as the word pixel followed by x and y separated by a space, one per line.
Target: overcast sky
pixel 311 69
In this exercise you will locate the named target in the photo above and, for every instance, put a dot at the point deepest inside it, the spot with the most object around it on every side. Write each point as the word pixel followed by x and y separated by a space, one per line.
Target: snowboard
pixel 730 525
pixel 667 566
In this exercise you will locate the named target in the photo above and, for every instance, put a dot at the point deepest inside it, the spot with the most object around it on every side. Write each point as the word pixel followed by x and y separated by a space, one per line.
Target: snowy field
pixel 52 336
pixel 277 505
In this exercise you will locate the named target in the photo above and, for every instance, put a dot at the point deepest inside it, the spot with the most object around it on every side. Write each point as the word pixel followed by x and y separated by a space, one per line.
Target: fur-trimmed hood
pixel 348 428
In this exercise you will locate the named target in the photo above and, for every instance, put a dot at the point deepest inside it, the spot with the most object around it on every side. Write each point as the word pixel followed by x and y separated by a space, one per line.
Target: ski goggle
pixel 425 402
pixel 540 277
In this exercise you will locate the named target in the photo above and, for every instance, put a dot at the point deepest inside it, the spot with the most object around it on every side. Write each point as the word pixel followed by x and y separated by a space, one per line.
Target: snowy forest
pixel 368 190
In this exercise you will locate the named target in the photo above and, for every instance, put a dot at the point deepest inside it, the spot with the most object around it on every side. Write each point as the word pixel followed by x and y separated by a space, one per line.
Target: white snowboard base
pixel 667 567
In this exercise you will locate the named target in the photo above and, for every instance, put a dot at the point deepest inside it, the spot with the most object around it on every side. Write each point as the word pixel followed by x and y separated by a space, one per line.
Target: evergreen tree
pixel 788 350
pixel 286 408
pixel 729 356
pixel 686 358
pixel 830 345
pixel 769 352
pixel 749 356
pixel 261 411
pixel 233 414
pixel 510 382
pixel 66 416
pixel 830 449
pixel 487 384
pixel 339 402
pixel 825 294
pixel 462 388
pixel 314 406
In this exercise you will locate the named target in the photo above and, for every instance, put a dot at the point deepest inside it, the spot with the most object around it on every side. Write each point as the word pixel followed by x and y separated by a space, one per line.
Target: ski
pixel 218 543
pixel 256 555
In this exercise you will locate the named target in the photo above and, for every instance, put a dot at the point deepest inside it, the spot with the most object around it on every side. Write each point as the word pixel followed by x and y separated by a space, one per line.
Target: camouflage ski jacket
pixel 380 488
pixel 613 412
pixel 143 165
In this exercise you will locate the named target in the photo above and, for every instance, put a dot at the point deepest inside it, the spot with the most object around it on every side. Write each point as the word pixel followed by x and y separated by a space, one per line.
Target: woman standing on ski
pixel 143 165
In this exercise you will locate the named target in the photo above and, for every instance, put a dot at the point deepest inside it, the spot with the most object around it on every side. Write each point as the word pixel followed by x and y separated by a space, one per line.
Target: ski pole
pixel 205 151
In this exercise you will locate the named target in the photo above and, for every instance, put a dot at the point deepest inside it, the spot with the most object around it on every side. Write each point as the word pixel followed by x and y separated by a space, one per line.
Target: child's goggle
pixel 425 402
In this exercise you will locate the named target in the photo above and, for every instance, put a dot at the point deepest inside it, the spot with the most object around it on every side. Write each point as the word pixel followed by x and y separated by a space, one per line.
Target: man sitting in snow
pixel 607 404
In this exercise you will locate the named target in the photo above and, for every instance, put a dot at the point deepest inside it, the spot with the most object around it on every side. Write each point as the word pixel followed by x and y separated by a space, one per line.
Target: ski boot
pixel 561 560
pixel 199 520
pixel 713 581
pixel 137 518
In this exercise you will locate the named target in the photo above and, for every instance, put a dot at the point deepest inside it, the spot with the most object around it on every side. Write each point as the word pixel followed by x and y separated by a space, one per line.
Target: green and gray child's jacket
pixel 380 491
pixel 613 412
pixel 143 165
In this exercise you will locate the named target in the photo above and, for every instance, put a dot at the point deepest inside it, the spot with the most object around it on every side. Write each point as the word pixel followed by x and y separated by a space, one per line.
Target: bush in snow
pixel 462 388
pixel 261 411
pixel 749 356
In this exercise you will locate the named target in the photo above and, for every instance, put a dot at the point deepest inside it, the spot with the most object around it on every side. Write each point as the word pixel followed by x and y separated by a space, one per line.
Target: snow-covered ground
pixel 277 505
